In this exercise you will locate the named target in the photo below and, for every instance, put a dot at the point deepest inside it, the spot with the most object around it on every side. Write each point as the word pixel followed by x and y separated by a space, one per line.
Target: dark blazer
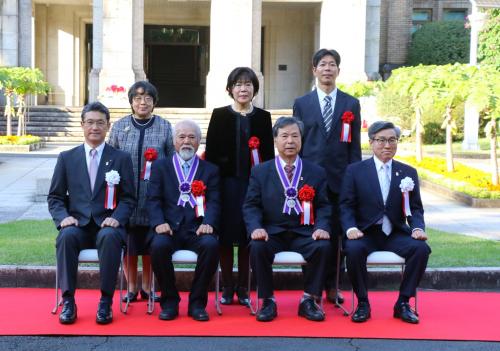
pixel 222 148
pixel 361 203
pixel 325 149
pixel 263 205
pixel 163 194
pixel 70 194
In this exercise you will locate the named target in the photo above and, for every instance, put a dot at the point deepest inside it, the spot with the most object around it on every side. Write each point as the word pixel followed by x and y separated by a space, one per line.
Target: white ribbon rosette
pixel 112 179
pixel 407 184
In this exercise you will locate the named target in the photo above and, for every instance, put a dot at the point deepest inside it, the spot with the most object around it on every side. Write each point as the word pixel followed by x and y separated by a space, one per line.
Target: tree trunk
pixel 493 154
pixel 449 141
pixel 8 110
pixel 418 134
pixel 20 116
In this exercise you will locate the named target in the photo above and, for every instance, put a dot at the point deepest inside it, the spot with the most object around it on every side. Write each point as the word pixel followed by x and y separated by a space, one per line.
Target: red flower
pixel 348 117
pixel 121 89
pixel 150 154
pixel 306 193
pixel 198 188
pixel 253 142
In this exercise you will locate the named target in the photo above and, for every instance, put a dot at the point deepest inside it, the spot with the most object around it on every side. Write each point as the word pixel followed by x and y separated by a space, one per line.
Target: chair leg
pixel 58 301
pixel 122 275
pixel 253 309
pixel 337 282
pixel 217 287
pixel 152 293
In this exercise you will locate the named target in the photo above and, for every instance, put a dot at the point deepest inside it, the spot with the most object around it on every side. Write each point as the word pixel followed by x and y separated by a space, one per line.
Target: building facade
pixel 89 49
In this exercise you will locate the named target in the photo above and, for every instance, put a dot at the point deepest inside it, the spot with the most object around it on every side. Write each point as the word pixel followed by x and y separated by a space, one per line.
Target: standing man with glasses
pixel 332 123
pixel 91 198
pixel 381 209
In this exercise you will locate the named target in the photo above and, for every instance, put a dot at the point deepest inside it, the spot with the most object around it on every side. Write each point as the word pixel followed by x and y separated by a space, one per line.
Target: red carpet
pixel 444 316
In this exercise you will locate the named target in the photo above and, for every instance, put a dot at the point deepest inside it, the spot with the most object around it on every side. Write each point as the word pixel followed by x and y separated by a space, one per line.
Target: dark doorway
pixel 177 64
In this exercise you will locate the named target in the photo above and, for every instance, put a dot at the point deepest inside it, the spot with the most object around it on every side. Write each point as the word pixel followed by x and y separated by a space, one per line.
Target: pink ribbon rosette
pixel 345 133
pixel 198 190
pixel 253 144
pixel 306 197
pixel 407 184
pixel 149 155
pixel 112 179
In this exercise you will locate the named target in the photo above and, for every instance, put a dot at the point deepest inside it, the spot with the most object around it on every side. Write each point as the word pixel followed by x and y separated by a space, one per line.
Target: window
pixel 419 17
pixel 454 14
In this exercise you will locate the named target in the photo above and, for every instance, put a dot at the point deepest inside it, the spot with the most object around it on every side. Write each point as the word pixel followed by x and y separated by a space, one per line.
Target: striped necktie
pixel 328 113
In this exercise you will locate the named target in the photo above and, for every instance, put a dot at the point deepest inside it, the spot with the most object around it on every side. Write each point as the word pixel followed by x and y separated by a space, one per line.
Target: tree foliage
pixel 489 40
pixel 440 43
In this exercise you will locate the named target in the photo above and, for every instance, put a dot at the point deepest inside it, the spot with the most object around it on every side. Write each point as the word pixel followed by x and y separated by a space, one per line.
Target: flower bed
pixel 467 180
pixel 19 140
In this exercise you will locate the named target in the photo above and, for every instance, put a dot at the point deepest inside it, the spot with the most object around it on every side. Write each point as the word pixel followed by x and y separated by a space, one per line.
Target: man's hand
pixel 68 221
pixel 205 229
pixel 110 222
pixel 259 234
pixel 164 229
pixel 354 234
pixel 419 234
pixel 320 234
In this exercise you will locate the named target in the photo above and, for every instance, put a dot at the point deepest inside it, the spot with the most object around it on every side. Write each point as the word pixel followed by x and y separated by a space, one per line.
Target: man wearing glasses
pixel 381 209
pixel 91 198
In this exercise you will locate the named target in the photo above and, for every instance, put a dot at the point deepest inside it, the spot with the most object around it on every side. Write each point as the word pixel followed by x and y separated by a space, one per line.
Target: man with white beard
pixel 184 207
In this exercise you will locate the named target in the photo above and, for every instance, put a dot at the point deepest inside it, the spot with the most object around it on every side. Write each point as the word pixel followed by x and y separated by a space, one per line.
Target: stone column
pixel 9 33
pixel 343 28
pixel 138 40
pixel 235 34
pixel 25 33
pixel 112 51
pixel 372 42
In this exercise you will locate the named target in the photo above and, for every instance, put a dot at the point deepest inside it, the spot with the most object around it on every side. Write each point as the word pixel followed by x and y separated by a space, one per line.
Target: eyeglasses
pixel 243 84
pixel 99 123
pixel 383 141
pixel 147 99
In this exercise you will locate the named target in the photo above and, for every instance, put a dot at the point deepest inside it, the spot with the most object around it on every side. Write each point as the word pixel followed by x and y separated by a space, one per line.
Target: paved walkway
pixel 24 178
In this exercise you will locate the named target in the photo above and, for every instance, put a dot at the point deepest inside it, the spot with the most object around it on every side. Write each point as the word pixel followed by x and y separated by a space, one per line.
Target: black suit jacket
pixel 70 194
pixel 362 205
pixel 263 205
pixel 325 149
pixel 163 194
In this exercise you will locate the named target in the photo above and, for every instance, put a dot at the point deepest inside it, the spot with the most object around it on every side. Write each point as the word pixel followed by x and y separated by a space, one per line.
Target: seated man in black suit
pixel 183 205
pixel 381 209
pixel 91 198
pixel 287 208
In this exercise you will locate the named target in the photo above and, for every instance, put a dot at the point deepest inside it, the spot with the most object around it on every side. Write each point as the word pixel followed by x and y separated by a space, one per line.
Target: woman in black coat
pixel 239 136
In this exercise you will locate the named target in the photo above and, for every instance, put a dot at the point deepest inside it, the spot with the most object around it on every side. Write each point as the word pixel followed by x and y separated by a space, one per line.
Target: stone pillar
pixel 112 47
pixel 9 33
pixel 343 28
pixel 25 33
pixel 476 20
pixel 234 41
pixel 138 40
pixel 372 42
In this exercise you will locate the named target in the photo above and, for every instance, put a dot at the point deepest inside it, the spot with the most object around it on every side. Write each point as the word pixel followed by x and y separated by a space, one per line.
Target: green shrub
pixel 489 40
pixel 395 108
pixel 439 43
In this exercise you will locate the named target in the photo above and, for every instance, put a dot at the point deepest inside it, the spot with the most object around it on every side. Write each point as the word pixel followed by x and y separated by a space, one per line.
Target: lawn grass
pixel 33 243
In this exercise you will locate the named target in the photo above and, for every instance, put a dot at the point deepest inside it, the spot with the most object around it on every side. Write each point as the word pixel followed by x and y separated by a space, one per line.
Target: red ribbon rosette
pixel 149 155
pixel 306 197
pixel 198 190
pixel 253 144
pixel 345 133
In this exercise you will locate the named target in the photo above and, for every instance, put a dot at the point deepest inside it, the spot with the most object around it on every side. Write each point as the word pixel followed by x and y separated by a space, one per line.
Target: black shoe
pixel 243 296
pixel 130 297
pixel 334 296
pixel 104 313
pixel 198 314
pixel 405 313
pixel 227 295
pixel 68 313
pixel 268 311
pixel 362 313
pixel 169 313
pixel 309 309
pixel 145 296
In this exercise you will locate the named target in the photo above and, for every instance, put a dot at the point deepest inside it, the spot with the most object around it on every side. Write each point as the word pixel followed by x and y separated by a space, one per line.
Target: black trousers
pixel 315 252
pixel 415 252
pixel 71 240
pixel 162 248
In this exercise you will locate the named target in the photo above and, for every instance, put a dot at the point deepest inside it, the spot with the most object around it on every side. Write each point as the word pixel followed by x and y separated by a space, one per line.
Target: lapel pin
pixel 126 129
pixel 107 163
pixel 397 174
pixel 301 178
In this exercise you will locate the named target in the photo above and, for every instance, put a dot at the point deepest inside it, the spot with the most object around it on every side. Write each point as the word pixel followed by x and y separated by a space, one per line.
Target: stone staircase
pixel 62 124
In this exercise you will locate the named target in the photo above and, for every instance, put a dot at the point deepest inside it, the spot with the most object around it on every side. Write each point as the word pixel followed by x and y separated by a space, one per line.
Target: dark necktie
pixel 328 113
pixel 289 171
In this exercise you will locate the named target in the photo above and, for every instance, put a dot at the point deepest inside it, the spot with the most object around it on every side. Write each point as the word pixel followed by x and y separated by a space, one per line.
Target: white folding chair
pixel 184 257
pixel 382 258
pixel 282 258
pixel 91 256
